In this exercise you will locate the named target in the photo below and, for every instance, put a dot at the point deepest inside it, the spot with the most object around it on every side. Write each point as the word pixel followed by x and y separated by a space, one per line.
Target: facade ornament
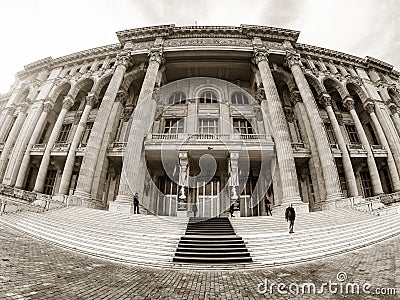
pixel 156 54
pixel 127 112
pixel 260 53
pixel 292 58
pixel 296 97
pixel 348 102
pixel 10 110
pixel 68 102
pixel 47 106
pixel 23 107
pixel 393 107
pixel 289 114
pixel 325 99
pixel 159 111
pixel 121 96
pixel 156 96
pixel 260 95
pixel 258 113
pixel 123 58
pixel 91 99
pixel 369 106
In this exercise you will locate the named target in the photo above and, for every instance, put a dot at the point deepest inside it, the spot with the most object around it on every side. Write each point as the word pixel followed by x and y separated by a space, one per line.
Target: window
pixel 64 133
pixel 352 133
pixel 174 126
pixel 366 184
pixel 208 97
pixel 86 135
pixel 372 133
pixel 177 98
pixel 44 132
pixel 208 126
pixel 242 126
pixel 76 105
pixel 330 133
pixel 387 179
pixel 340 106
pixel 49 182
pixel 239 98
pixel 298 131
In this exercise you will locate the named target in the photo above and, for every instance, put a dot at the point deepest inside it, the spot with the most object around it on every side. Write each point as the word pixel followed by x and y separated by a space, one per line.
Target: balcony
pixel 379 151
pixel 300 150
pixel 116 148
pixel 356 150
pixel 61 147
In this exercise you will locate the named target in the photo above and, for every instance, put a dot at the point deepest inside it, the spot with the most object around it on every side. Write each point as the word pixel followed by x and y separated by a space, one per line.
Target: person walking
pixel 268 206
pixel 194 209
pixel 136 203
pixel 232 209
pixel 290 215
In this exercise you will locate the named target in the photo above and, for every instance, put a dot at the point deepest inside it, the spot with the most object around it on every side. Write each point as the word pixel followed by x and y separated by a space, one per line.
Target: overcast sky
pixel 34 29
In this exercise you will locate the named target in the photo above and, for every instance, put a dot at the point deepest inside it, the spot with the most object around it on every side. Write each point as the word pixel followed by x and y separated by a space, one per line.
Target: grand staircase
pixel 211 241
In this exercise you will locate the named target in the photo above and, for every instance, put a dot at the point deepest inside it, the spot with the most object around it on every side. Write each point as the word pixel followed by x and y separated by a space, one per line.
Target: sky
pixel 34 29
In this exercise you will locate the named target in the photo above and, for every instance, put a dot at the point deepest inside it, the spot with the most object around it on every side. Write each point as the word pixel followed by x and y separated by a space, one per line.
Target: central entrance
pixel 207 197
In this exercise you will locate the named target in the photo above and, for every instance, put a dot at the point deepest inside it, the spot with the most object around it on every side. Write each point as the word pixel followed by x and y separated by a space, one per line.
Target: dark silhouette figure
pixel 232 209
pixel 136 204
pixel 268 207
pixel 290 215
pixel 194 209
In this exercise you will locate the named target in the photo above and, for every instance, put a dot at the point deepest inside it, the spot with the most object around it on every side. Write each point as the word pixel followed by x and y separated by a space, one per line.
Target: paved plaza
pixel 34 269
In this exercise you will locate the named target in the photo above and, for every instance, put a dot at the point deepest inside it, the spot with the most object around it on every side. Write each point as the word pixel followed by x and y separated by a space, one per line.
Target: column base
pixel 183 214
pixel 124 208
pixel 81 199
pixel 334 197
pixel 341 203
pixel 300 208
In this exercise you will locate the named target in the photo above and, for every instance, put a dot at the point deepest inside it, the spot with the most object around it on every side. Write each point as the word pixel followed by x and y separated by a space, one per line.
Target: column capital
pixel 121 96
pixel 260 94
pixel 156 54
pixel 369 106
pixel 393 107
pixel 325 99
pixel 296 97
pixel 10 110
pixel 47 106
pixel 259 54
pixel 289 114
pixel 292 58
pixel 91 99
pixel 348 102
pixel 68 102
pixel 22 107
pixel 123 58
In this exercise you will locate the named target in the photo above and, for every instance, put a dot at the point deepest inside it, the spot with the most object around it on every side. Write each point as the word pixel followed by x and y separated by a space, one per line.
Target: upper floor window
pixel 64 133
pixel 239 98
pixel 88 130
pixel 330 133
pixel 352 133
pixel 208 126
pixel 341 107
pixel 208 97
pixel 174 126
pixel 242 126
pixel 177 98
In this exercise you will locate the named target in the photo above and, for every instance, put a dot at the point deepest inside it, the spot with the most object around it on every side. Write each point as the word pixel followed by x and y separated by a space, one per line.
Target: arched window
pixel 239 98
pixel 208 97
pixel 177 98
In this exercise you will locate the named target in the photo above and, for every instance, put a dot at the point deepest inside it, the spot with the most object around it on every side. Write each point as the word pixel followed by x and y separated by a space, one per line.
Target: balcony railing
pixel 61 147
pixel 205 136
pixel 39 147
pixel 377 147
pixel 354 146
pixel 117 146
pixel 297 145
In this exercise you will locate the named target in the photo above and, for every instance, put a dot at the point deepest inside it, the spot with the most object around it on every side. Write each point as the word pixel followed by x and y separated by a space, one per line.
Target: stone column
pixel 44 164
pixel 373 170
pixel 142 119
pixel 5 127
pixel 370 107
pixel 86 175
pixel 347 165
pixel 12 137
pixel 70 162
pixel 273 108
pixel 329 170
pixel 182 208
pixel 395 116
pixel 32 141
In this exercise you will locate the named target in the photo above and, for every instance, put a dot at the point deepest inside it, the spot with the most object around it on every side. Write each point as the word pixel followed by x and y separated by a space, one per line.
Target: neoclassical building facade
pixel 320 129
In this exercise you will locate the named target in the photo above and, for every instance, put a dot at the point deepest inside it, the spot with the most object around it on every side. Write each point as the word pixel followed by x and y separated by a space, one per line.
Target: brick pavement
pixel 34 269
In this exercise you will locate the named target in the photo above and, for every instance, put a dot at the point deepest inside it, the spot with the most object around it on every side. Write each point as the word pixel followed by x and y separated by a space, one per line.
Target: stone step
pixel 212 261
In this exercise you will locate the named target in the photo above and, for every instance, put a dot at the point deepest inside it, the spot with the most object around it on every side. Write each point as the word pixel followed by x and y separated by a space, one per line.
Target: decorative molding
pixel 369 106
pixel 208 41
pixel 91 99
pixel 292 58
pixel 121 96
pixel 260 95
pixel 289 114
pixel 68 102
pixel 348 102
pixel 325 99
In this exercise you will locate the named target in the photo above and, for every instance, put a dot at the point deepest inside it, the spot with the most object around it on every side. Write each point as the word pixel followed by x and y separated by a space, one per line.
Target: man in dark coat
pixel 194 209
pixel 136 203
pixel 290 215
pixel 268 206
pixel 232 209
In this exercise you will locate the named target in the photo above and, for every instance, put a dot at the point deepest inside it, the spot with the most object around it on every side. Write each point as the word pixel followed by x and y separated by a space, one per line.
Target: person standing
pixel 290 215
pixel 136 203
pixel 268 206
pixel 232 209
pixel 194 209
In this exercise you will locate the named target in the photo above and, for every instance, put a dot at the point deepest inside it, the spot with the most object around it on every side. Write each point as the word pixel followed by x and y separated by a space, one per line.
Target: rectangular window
pixel 330 133
pixel 64 133
pixel 44 132
pixel 174 126
pixel 49 182
pixel 242 126
pixel 372 134
pixel 352 133
pixel 86 135
pixel 366 184
pixel 208 126
pixel 388 180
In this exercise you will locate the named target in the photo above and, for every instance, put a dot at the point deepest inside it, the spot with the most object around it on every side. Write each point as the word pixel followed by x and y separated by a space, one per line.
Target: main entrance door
pixel 208 197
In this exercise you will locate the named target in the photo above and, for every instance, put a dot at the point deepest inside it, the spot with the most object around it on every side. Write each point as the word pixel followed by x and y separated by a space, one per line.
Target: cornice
pixel 378 64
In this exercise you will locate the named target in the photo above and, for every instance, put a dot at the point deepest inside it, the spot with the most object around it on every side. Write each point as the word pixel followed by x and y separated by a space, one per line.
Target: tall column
pixel 142 119
pixel 272 106
pixel 70 161
pixel 35 136
pixel 12 137
pixel 373 170
pixel 86 174
pixel 370 107
pixel 347 166
pixel 395 116
pixel 182 205
pixel 5 127
pixel 329 170
pixel 44 164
